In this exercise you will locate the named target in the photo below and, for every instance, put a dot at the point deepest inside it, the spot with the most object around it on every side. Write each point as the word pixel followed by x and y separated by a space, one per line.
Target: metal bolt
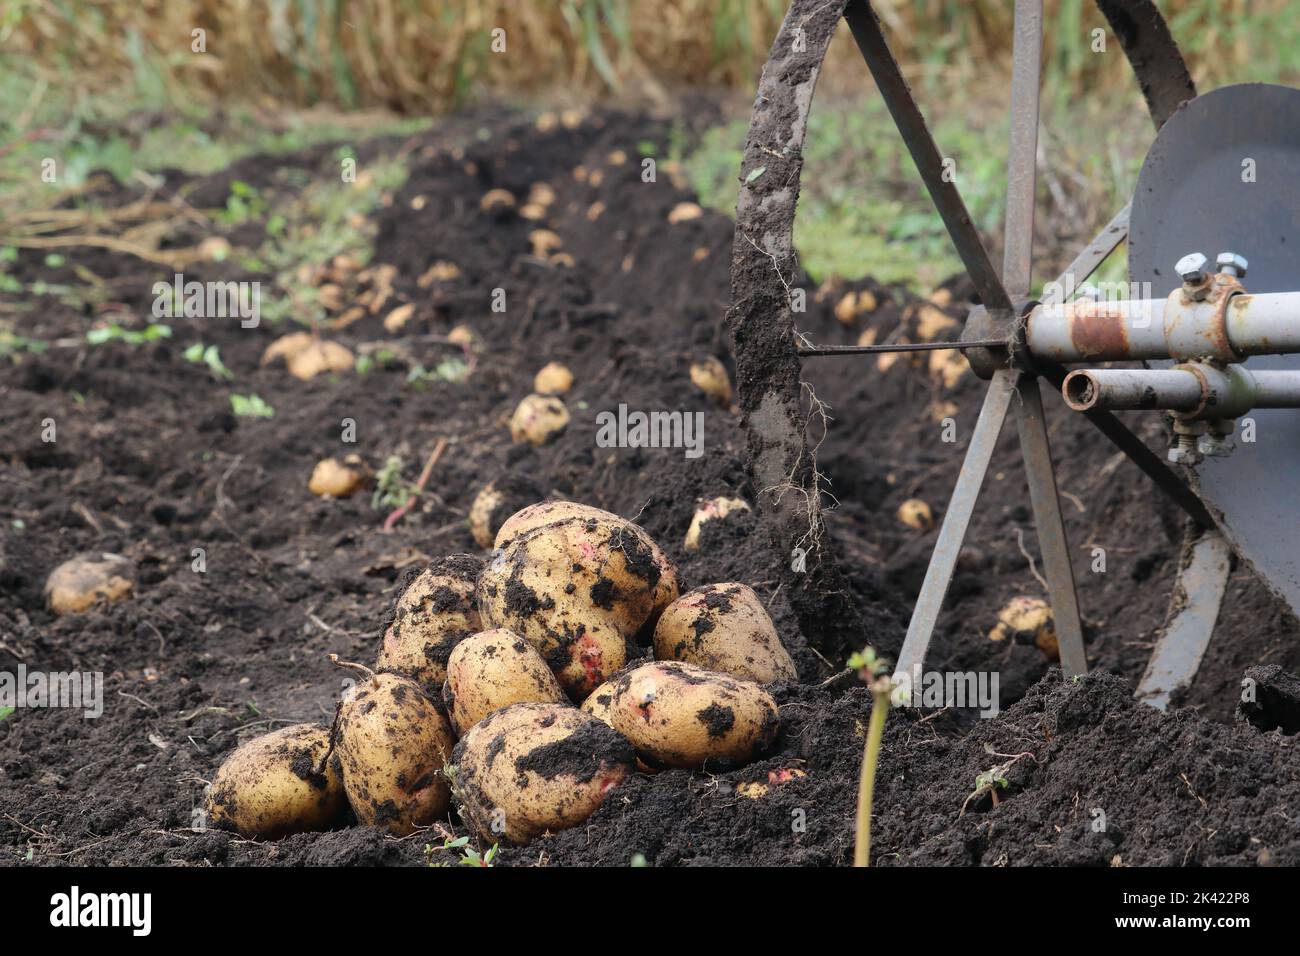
pixel 1232 264
pixel 1191 268
pixel 1184 450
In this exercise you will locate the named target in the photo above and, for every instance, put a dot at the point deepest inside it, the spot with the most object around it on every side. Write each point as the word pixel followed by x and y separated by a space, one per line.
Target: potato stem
pixel 867 780
pixel 359 668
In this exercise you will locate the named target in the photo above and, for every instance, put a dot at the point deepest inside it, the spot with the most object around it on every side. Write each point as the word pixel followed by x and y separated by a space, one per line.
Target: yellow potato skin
pixel 392 746
pixel 434 613
pixel 577 589
pixel 78 583
pixel 679 715
pixel 494 669
pixel 550 512
pixel 268 788
pixel 532 768
pixel 723 628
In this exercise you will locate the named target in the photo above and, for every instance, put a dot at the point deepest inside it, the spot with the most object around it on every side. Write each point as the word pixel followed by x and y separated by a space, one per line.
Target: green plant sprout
pixel 113 332
pixel 5 712
pixel 992 780
pixel 875 672
pixel 208 355
pixel 250 406
pixel 469 856
pixel 391 489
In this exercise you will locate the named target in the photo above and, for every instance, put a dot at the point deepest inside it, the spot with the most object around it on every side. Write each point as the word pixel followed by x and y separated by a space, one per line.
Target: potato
pixel 684 212
pixel 335 478
pixel 1028 620
pixel 497 202
pixel 553 379
pixel 533 768
pixel 80 582
pixel 599 702
pixel 494 669
pixel 916 514
pixel 319 357
pixel 497 500
pixel 578 590
pixel 710 377
pixel 392 745
pixel 544 242
pixel 723 628
pixel 679 715
pixel 708 511
pixel 538 419
pixel 435 612
pixel 278 784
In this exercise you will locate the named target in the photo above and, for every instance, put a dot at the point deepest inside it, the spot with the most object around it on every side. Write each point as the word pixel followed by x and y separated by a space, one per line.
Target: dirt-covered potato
pixel 494 669
pixel 533 768
pixel 916 514
pixel 78 583
pixel 538 419
pixel 724 628
pixel 578 590
pixel 1028 620
pixel 307 356
pixel 679 715
pixel 435 612
pixel 392 745
pixel 278 784
pixel 497 501
pixel 599 702
pixel 715 509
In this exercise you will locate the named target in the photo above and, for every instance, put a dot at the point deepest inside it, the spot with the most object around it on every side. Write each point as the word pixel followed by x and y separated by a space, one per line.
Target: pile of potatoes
pixel 521 689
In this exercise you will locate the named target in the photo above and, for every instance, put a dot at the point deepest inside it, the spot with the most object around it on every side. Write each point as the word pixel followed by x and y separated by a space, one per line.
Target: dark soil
pixel 150 463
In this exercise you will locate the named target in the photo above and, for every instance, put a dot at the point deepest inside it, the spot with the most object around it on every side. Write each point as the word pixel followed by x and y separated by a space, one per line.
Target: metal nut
pixel 1184 451
pixel 1232 263
pixel 1191 268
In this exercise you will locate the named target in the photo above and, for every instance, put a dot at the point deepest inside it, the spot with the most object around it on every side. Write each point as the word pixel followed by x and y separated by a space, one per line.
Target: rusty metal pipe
pixel 1194 390
pixel 1176 328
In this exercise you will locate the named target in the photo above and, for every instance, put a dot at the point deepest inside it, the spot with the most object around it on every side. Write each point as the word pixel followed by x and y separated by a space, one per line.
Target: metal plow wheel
pixel 1195 324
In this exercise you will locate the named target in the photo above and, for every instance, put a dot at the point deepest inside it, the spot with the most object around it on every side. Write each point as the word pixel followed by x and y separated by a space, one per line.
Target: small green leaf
pixel 5 712
pixel 755 173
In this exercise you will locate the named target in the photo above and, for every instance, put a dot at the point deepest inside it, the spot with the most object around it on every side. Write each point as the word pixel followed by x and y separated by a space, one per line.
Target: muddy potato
pixel 1028 620
pixel 600 701
pixel 548 512
pixel 723 628
pixel 679 715
pixel 537 419
pixel 496 502
pixel 578 590
pixel 711 510
pixel 532 768
pixel 494 669
pixel 435 612
pixel 392 745
pixel 278 784
pixel 916 514
pixel 80 582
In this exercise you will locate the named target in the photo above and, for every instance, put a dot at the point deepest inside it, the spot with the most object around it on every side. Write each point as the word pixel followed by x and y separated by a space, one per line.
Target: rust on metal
pixel 1190 332
pixel 1097 328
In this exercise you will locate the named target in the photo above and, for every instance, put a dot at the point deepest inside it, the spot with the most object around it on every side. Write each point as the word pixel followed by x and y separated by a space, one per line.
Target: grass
pixel 864 211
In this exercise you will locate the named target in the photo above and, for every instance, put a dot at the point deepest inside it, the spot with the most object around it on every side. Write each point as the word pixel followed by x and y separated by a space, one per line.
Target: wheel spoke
pixel 1022 151
pixel 929 163
pixel 997 400
pixel 1089 260
pixel 1052 543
